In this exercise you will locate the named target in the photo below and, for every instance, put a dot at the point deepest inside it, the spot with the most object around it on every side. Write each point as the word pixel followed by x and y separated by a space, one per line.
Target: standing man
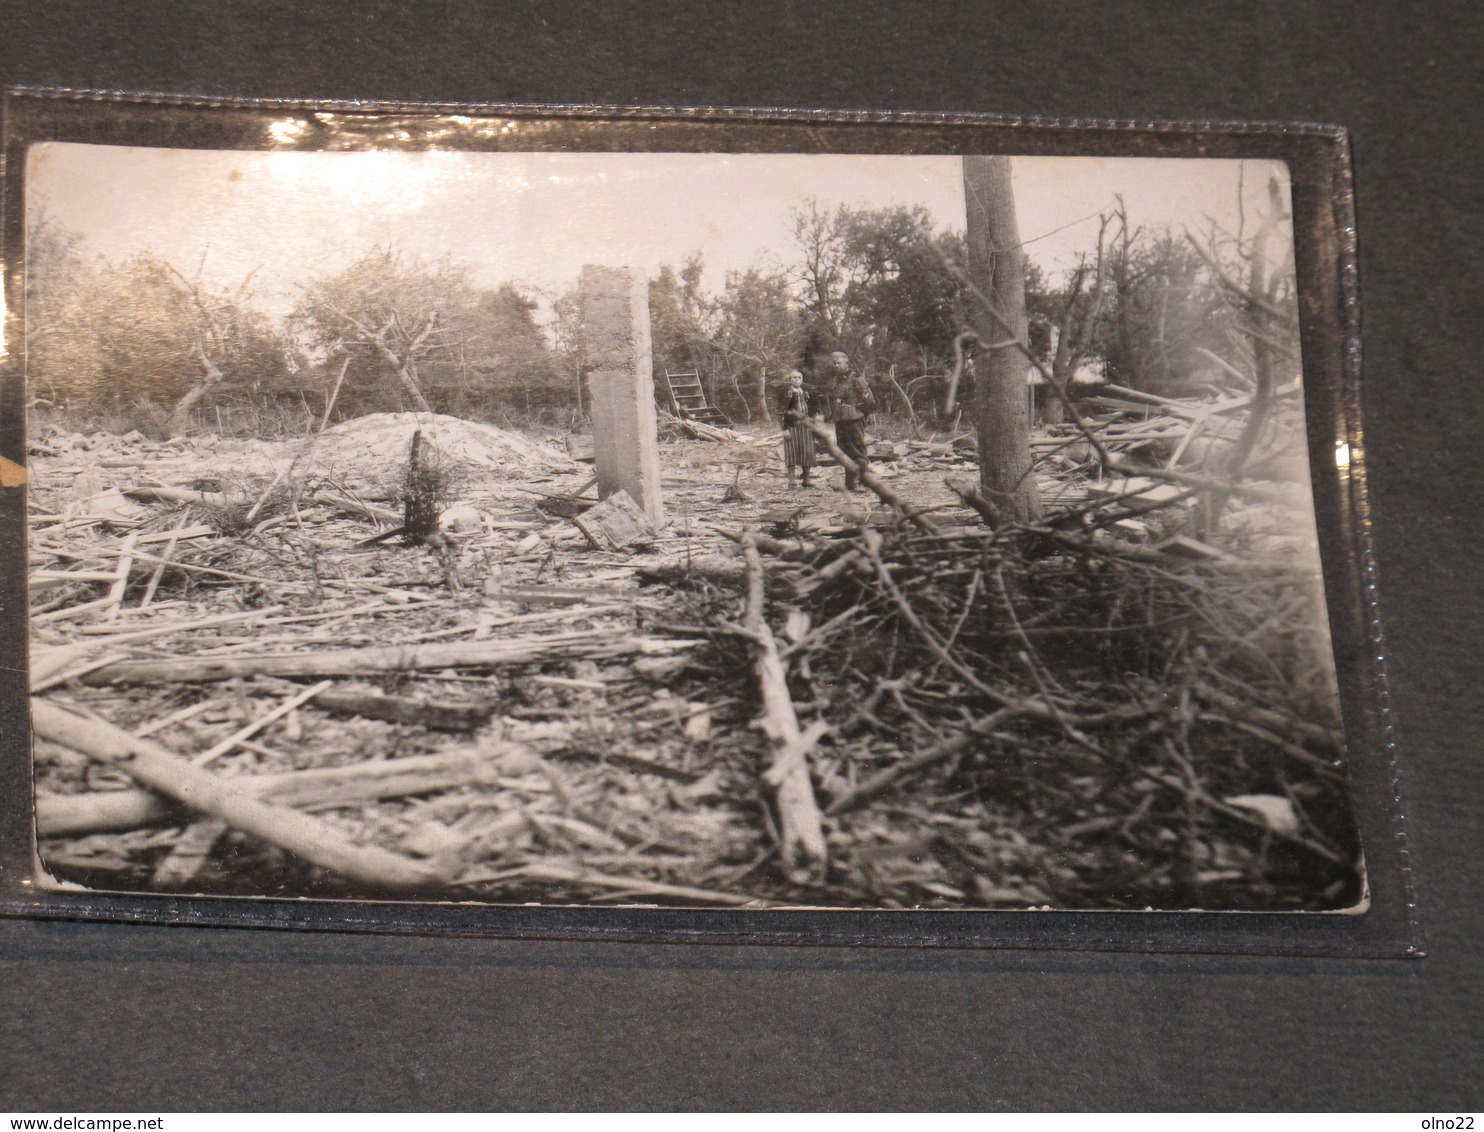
pixel 847 403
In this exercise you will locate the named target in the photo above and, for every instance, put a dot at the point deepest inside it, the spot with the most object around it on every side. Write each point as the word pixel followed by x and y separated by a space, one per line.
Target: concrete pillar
pixel 615 319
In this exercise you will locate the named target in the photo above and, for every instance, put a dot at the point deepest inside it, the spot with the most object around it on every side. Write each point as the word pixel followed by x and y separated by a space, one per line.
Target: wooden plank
pixel 615 523
pixel 63 815
pixel 1144 489
pixel 591 645
pixel 159 769
pixel 554 595
pixel 407 709
pixel 180 866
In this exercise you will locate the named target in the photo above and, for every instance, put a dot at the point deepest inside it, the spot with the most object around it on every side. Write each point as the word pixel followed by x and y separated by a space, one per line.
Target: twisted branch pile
pixel 1152 732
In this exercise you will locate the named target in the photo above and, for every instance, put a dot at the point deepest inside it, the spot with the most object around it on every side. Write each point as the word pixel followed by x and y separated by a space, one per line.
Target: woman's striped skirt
pixel 798 446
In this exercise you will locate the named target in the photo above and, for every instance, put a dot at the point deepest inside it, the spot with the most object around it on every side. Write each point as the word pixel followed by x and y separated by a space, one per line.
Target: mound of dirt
pixel 364 447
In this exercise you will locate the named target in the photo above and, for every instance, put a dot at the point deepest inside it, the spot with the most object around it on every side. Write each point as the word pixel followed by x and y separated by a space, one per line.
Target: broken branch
pixel 908 511
pixel 803 845
pixel 62 815
pixel 161 770
pixel 410 658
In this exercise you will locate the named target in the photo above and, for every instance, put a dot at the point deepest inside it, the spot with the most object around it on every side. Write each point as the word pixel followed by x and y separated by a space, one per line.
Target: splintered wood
pixel 153 766
pixel 59 815
pixel 803 844
pixel 403 658
pixel 776 698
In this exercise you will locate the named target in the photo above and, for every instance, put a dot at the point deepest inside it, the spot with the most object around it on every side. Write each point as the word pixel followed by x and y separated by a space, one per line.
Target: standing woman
pixel 798 441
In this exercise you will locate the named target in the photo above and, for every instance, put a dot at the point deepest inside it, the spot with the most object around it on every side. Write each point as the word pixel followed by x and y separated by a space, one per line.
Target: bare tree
pixel 996 269
pixel 1262 293
pixel 403 314
pixel 822 276
pixel 757 334
pixel 1076 314
pixel 212 333
pixel 394 343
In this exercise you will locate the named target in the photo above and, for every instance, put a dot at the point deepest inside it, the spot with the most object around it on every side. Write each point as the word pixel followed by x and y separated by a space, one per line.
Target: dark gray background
pixel 117 1017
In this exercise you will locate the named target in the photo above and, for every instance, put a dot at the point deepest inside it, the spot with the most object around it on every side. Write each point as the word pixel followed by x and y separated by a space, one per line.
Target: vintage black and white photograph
pixel 730 530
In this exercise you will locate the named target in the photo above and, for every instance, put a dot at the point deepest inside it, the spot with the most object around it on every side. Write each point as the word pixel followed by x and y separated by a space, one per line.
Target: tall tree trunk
pixel 1053 411
pixel 997 268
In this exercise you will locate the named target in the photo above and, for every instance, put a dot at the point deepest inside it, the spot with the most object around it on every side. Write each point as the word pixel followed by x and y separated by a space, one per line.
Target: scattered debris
pixel 1116 709
pixel 703 431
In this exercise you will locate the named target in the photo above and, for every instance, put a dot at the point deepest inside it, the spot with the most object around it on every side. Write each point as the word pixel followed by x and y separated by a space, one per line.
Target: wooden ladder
pixel 688 399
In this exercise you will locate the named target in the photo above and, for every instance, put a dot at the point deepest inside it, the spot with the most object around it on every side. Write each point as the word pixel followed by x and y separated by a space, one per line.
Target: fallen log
pixel 50 664
pixel 407 709
pixel 803 846
pixel 915 515
pixel 306 837
pixel 405 658
pixel 176 495
pixel 700 430
pixel 67 815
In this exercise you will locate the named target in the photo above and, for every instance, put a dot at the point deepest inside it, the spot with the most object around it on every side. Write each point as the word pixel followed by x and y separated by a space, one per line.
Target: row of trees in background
pixel 869 282
pixel 1146 309
pixel 148 342
pixel 142 344
pixel 138 338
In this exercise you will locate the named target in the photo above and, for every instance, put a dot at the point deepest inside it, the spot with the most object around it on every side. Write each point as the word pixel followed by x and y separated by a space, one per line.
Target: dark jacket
pixel 848 398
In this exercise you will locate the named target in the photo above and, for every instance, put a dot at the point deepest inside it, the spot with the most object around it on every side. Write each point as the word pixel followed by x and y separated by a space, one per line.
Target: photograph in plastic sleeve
pixel 694 529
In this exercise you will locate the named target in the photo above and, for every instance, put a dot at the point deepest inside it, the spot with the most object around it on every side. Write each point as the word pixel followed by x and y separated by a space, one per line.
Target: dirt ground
pixel 619 762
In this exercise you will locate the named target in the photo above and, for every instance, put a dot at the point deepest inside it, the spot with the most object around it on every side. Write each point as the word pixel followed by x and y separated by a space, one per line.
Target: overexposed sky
pixel 536 218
